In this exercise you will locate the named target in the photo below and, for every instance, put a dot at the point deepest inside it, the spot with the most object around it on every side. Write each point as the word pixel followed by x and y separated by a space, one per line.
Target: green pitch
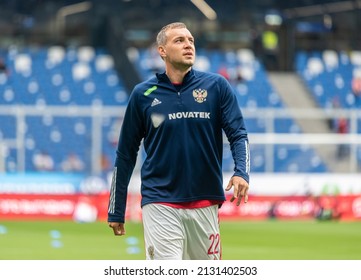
pixel 243 240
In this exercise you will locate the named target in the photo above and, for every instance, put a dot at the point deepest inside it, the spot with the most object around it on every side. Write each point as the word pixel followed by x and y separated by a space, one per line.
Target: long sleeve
pixel 130 137
pixel 234 127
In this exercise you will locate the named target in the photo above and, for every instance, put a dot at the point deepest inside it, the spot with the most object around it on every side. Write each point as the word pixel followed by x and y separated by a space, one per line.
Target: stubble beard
pixel 184 64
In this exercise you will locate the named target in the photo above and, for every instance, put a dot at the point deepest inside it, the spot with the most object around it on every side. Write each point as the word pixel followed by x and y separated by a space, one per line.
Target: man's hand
pixel 118 228
pixel 240 189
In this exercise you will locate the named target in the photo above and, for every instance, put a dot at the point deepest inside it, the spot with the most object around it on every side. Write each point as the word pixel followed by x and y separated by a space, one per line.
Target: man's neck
pixel 176 76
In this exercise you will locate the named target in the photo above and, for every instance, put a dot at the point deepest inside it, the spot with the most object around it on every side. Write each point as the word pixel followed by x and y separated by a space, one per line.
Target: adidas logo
pixel 155 102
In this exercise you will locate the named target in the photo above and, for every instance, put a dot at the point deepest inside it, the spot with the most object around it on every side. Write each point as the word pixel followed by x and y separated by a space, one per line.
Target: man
pixel 180 115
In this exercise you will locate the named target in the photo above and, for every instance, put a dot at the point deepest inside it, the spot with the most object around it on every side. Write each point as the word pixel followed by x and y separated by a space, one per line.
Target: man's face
pixel 179 50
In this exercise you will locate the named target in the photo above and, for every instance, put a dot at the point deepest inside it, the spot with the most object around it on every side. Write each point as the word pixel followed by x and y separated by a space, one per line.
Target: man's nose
pixel 188 44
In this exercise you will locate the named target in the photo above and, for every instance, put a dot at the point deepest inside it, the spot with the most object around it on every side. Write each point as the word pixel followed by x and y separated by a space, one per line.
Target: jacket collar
pixel 163 76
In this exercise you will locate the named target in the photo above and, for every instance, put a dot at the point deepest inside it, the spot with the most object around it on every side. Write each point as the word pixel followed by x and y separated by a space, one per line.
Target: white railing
pixel 268 116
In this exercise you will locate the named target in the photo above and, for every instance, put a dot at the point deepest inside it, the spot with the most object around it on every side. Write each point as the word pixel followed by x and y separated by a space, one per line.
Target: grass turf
pixel 241 240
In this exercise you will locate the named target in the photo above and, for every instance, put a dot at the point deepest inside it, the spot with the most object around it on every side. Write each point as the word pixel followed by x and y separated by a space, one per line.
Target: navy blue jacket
pixel 182 132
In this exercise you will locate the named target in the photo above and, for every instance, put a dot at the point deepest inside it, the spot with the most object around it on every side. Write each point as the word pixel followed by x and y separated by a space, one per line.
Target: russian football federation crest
pixel 200 95
pixel 151 252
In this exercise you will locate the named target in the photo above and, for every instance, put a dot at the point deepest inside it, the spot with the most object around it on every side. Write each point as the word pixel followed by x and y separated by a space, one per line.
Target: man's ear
pixel 162 52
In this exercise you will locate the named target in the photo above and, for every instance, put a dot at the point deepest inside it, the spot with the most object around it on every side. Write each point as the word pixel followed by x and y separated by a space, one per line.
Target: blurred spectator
pixel 327 208
pixel 272 213
pixel 105 163
pixel 223 71
pixel 233 75
pixel 342 128
pixel 239 75
pixel 43 161
pixel 270 44
pixel 342 125
pixel 3 67
pixel 113 133
pixel 72 163
pixel 356 86
pixel 332 121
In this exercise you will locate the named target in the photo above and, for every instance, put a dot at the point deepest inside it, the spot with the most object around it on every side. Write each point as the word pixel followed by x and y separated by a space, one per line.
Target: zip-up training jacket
pixel 182 132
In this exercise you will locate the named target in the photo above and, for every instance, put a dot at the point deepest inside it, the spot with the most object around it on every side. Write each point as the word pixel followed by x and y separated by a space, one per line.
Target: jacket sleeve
pixel 235 130
pixel 130 137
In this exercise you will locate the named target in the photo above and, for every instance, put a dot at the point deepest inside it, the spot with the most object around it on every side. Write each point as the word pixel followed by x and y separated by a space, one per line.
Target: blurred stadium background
pixel 68 67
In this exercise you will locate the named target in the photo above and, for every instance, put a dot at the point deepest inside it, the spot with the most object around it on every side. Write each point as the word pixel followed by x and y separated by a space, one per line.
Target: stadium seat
pixel 103 63
pixel 85 54
pixel 56 55
pixel 81 71
pixel 23 64
pixel 355 58
pixel 246 56
pixel 330 57
pixel 314 67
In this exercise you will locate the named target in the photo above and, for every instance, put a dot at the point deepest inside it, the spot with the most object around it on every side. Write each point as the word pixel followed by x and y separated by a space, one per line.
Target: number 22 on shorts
pixel 214 248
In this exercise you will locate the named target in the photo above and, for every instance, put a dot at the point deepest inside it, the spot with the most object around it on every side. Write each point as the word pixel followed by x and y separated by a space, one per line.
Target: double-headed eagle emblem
pixel 200 95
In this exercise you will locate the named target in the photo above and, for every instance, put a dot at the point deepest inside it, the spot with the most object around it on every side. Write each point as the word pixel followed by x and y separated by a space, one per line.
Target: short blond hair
pixel 162 37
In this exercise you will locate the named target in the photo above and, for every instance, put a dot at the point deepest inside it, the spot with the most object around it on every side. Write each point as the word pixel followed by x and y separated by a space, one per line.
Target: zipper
pixel 180 102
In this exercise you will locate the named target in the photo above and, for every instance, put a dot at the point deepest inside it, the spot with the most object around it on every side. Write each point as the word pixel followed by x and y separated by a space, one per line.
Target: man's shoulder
pixel 209 75
pixel 145 86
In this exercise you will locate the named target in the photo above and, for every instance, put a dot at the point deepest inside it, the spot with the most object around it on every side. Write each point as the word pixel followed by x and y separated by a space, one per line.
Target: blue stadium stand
pixel 253 91
pixel 60 77
pixel 328 75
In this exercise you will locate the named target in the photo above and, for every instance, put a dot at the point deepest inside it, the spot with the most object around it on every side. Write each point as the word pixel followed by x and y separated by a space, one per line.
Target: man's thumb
pixel 229 186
